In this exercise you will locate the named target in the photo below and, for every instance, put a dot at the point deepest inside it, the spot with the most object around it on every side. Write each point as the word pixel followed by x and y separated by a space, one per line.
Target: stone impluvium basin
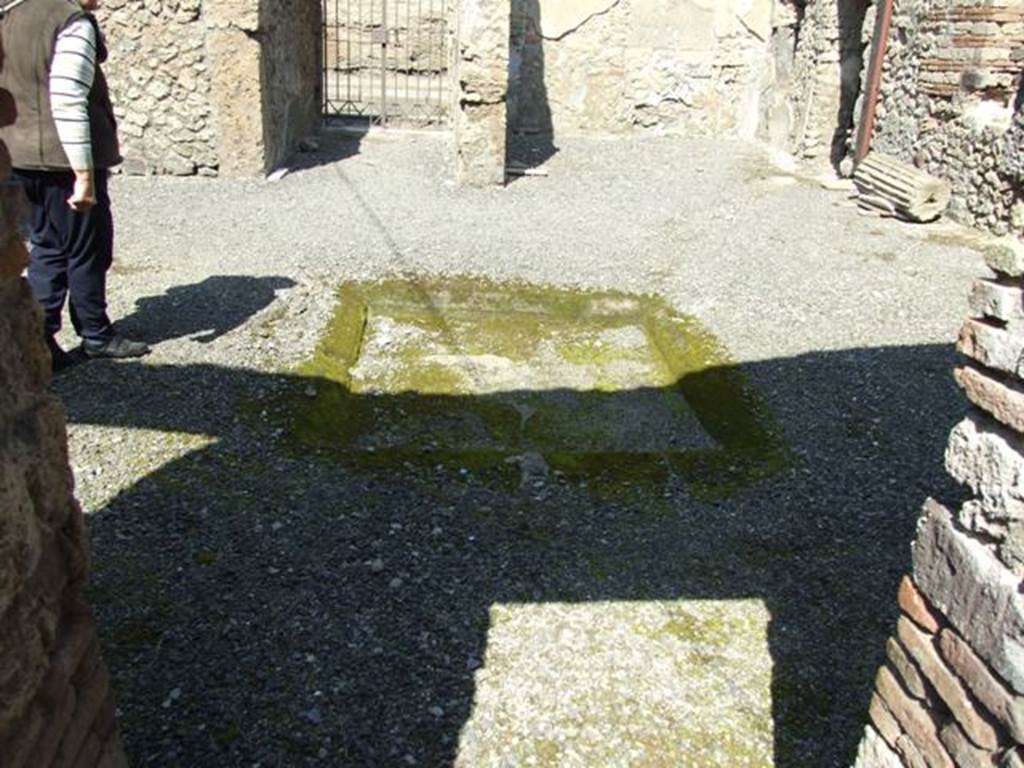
pixel 485 375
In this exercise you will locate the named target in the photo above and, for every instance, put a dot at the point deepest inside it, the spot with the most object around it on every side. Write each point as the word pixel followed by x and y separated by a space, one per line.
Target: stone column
pixel 481 71
pixel 265 74
pixel 56 707
pixel 236 83
pixel 952 690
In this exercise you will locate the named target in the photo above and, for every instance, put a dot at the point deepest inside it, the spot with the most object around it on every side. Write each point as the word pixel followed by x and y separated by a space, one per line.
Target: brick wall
pixel 950 93
pixel 952 690
pixel 56 707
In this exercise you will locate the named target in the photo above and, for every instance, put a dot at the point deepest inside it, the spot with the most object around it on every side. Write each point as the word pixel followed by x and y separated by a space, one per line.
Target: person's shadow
pixel 204 311
pixel 274 598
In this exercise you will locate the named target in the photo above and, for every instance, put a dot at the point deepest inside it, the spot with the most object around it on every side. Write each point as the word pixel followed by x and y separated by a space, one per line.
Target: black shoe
pixel 115 347
pixel 59 359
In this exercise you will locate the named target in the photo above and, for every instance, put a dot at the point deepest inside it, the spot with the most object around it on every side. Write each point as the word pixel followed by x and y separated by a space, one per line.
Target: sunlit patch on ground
pixel 681 683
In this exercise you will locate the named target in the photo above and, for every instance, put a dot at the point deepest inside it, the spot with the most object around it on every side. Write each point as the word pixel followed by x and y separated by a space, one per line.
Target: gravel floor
pixel 263 607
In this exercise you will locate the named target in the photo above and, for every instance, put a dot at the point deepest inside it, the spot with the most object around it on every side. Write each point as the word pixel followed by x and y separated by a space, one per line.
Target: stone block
pixel 105 725
pixel 74 540
pixel 1014 758
pixel 41 429
pixel 915 721
pixel 77 632
pixel 13 257
pixel 905 669
pixel 1006 257
pixel 963 752
pixel 49 741
pixel 990 345
pixel 916 607
pixel 923 650
pixel 992 299
pixel 25 636
pixel 978 596
pixel 87 667
pixel 989 691
pixel 884 721
pixel 912 756
pixel 480 145
pixel 22 539
pixel 18 742
pixel 873 752
pixel 988 459
pixel 26 373
pixel 113 754
pixel 89 754
pixel 90 702
pixel 1003 398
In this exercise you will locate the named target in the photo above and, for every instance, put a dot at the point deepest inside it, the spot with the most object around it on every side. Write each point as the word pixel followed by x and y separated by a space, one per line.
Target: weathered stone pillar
pixel 56 707
pixel 236 84
pixel 265 70
pixel 952 691
pixel 481 71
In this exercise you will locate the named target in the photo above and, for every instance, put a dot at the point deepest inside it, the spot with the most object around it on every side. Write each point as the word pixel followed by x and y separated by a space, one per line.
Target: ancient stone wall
pixel 826 78
pixel 56 706
pixel 159 74
pixel 952 690
pixel 611 66
pixel 213 86
pixel 948 101
pixel 778 101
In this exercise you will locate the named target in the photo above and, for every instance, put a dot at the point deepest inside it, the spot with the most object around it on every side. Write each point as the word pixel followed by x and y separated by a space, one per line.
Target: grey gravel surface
pixel 262 606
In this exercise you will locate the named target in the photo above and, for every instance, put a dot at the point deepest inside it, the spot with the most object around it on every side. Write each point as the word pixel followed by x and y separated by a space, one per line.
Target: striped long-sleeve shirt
pixel 71 78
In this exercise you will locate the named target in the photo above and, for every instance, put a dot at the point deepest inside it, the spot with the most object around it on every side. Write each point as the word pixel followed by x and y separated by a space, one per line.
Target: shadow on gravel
pixel 337 141
pixel 205 311
pixel 530 134
pixel 258 605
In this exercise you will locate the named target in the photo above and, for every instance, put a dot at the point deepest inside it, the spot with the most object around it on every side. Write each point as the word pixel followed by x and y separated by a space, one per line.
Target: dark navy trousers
pixel 71 252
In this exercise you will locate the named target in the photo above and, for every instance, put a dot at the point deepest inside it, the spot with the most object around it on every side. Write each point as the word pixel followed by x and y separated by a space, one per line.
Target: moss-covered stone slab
pixel 481 374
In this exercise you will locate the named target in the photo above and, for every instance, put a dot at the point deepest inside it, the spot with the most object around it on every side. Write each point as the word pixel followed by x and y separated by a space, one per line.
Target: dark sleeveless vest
pixel 28 34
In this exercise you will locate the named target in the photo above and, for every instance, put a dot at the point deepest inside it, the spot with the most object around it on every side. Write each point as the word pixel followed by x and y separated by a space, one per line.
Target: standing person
pixel 63 144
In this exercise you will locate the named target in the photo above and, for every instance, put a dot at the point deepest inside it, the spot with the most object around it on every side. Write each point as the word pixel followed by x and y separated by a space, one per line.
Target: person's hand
pixel 83 197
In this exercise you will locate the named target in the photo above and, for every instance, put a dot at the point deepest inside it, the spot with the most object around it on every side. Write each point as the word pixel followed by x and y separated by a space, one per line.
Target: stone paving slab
pixel 475 373
pixel 656 684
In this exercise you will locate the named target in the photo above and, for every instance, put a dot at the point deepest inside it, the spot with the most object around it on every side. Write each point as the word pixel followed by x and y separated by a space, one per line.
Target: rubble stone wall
pixel 951 693
pixel 56 706
pixel 611 66
pixel 949 97
pixel 212 86
pixel 830 57
pixel 159 76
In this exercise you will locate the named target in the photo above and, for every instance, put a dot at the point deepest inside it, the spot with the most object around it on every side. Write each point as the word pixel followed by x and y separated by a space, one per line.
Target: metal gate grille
pixel 387 60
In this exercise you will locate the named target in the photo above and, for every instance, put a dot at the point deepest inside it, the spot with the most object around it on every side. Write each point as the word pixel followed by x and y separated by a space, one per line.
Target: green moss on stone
pixel 446 422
